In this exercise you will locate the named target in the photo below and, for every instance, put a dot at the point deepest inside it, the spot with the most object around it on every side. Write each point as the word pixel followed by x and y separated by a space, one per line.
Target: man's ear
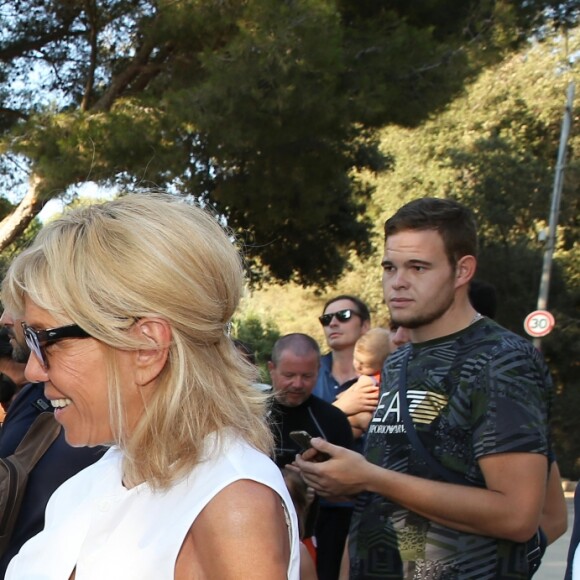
pixel 271 367
pixel 465 270
pixel 152 357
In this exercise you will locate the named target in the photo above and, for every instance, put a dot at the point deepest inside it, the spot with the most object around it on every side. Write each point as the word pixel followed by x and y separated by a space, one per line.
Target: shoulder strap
pixel 39 437
pixel 417 444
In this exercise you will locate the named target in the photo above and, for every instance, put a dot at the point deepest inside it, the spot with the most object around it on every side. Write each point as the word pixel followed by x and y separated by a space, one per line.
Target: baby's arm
pixel 360 423
pixel 358 403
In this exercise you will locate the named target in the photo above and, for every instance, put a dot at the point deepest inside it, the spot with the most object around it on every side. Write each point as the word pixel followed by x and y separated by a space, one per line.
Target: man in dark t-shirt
pixel 478 399
pixel 293 369
pixel 495 403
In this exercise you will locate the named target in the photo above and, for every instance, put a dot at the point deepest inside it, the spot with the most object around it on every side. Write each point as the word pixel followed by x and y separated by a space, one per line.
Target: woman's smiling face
pixel 76 382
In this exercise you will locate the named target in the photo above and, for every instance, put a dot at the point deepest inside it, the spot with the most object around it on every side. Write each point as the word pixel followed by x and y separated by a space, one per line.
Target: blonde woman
pixel 125 308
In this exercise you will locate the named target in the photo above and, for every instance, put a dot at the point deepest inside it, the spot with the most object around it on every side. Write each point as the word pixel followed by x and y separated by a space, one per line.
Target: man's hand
pixel 363 396
pixel 341 475
pixel 508 508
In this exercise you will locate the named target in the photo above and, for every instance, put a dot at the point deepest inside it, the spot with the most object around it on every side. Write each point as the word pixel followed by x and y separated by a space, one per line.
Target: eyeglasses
pixel 38 339
pixel 341 316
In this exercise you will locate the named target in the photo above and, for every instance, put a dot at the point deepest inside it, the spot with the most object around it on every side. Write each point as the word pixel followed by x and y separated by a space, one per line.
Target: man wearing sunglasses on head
pixel 60 461
pixel 345 319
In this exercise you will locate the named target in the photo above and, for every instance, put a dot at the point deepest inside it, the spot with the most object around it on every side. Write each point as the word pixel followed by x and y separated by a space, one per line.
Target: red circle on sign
pixel 539 323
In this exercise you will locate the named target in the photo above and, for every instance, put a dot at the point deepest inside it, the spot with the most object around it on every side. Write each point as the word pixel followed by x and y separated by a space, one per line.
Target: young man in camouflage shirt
pixel 478 397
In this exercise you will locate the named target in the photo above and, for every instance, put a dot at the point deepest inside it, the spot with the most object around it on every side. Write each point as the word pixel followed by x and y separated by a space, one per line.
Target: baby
pixel 370 352
pixel 359 401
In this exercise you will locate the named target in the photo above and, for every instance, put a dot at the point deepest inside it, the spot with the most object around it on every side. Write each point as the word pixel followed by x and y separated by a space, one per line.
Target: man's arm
pixel 358 403
pixel 360 397
pixel 359 423
pixel 508 508
pixel 554 518
pixel 344 563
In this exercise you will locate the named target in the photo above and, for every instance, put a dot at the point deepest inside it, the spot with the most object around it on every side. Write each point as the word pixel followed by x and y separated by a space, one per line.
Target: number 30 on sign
pixel 539 323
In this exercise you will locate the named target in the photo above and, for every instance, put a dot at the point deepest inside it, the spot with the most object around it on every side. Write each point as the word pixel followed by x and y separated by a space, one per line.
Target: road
pixel 554 562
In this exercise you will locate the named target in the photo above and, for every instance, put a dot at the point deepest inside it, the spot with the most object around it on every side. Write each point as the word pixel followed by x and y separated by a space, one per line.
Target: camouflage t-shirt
pixel 480 391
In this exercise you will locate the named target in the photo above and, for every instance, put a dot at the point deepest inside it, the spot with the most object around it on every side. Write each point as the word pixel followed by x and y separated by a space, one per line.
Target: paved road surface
pixel 554 562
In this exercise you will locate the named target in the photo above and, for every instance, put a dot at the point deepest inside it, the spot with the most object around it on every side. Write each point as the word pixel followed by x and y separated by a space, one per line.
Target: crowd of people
pixel 418 451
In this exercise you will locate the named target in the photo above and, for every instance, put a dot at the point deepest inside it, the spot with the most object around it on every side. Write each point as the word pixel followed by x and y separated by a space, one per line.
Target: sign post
pixel 553 223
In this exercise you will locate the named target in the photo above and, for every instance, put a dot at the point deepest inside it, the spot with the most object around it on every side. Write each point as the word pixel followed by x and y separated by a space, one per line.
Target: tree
pixel 262 108
pixel 495 149
pixel 259 336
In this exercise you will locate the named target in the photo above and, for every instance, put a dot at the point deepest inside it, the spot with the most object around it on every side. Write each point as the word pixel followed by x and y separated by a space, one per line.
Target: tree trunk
pixel 14 224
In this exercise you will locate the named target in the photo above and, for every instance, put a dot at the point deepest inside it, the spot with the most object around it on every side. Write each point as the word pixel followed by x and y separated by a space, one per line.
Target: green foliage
pixel 263 108
pixel 14 249
pixel 21 243
pixel 260 336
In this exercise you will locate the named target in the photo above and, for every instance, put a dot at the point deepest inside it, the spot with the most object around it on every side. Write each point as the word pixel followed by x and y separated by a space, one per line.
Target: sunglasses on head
pixel 38 339
pixel 341 316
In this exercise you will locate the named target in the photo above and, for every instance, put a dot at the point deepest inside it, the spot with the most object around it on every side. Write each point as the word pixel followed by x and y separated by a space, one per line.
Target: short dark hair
pixel 361 307
pixel 454 221
pixel 483 297
pixel 299 343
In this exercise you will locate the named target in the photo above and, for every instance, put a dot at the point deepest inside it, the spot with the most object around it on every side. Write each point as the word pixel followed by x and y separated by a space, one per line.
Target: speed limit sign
pixel 539 323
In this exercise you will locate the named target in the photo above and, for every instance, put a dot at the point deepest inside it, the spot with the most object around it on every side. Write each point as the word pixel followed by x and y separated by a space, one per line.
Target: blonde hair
pixel 104 267
pixel 376 343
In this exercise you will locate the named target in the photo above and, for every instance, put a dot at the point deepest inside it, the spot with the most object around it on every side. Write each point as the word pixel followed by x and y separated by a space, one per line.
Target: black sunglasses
pixel 38 339
pixel 341 316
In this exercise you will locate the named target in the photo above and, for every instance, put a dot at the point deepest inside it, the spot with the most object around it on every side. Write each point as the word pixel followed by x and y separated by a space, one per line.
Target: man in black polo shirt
pixel 294 367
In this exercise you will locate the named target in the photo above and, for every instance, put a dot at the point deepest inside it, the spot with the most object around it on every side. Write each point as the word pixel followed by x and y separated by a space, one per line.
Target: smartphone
pixel 303 439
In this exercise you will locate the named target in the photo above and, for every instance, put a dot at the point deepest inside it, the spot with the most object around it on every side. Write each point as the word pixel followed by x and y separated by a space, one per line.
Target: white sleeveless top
pixel 108 532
